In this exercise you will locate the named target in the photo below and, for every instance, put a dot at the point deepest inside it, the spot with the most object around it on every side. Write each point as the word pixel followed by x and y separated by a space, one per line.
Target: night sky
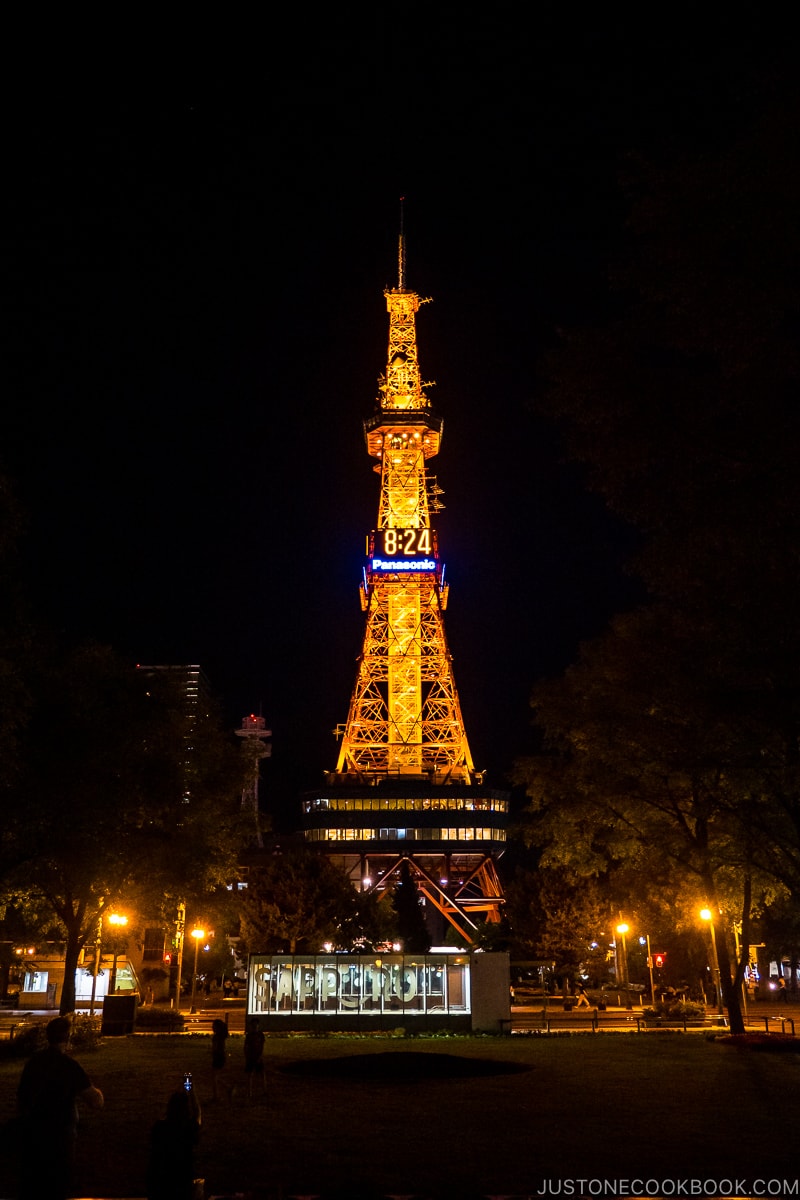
pixel 196 326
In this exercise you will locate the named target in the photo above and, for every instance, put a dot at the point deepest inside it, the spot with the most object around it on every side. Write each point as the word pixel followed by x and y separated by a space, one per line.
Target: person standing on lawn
pixel 50 1085
pixel 219 1058
pixel 254 1055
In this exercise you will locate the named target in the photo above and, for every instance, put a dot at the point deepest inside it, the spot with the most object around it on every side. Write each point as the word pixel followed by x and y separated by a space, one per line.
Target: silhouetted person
pixel 50 1085
pixel 254 1055
pixel 219 1057
pixel 170 1169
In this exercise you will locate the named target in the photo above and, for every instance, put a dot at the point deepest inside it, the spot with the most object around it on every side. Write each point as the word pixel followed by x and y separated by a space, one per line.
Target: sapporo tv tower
pixel 405 789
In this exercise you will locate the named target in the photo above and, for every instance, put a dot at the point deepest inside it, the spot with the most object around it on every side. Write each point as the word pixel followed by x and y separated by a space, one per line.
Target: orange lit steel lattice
pixel 404 717
pixel 405 792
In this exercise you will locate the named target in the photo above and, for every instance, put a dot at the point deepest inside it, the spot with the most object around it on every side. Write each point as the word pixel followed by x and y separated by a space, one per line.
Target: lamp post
pixel 96 963
pixel 198 935
pixel 737 929
pixel 119 922
pixel 650 969
pixel 707 915
pixel 180 928
pixel 622 929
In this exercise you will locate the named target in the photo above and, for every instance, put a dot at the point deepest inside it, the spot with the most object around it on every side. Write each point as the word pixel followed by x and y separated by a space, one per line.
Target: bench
pixel 710 1021
pixel 596 1019
pixel 783 1020
pixel 192 1020
pixel 12 1023
pixel 553 1022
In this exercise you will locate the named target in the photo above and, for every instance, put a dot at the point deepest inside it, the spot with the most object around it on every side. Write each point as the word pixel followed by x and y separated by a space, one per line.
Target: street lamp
pixel 198 935
pixel 98 941
pixel 119 922
pixel 707 915
pixel 650 969
pixel 622 929
pixel 737 929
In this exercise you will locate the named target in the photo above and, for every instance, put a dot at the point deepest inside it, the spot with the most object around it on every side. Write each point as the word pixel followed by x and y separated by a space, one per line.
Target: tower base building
pixel 449 836
pixel 329 993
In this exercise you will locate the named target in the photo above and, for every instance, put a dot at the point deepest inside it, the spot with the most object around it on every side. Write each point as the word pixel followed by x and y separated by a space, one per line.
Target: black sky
pixel 197 325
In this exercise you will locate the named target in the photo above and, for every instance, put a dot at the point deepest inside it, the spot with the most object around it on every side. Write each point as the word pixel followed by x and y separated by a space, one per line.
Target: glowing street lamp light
pixel 707 915
pixel 119 922
pixel 198 935
pixel 622 929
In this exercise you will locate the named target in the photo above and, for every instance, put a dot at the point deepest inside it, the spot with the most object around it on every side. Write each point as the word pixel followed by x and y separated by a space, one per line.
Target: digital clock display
pixel 404 543
pixel 402 550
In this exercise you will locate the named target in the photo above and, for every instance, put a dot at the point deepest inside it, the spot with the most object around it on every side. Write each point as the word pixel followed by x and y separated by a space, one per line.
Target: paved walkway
pixel 761 1014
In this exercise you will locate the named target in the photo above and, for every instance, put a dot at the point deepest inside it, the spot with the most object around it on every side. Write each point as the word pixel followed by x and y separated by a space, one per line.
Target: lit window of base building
pixel 372 992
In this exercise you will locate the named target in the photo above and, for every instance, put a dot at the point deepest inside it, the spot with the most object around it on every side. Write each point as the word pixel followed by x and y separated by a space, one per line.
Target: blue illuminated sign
pixel 403 564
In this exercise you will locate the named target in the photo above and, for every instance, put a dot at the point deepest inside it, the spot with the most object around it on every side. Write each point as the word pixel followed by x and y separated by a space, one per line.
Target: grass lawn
pixel 601 1107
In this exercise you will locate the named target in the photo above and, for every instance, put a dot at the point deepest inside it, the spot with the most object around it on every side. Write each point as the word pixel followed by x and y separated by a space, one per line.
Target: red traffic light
pixel 659 960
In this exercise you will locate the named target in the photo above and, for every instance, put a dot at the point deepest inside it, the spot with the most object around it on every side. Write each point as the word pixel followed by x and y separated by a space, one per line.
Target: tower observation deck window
pixel 400 804
pixel 386 833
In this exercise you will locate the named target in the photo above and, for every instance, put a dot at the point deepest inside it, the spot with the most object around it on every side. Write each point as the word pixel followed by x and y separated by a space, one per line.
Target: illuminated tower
pixel 405 788
pixel 404 718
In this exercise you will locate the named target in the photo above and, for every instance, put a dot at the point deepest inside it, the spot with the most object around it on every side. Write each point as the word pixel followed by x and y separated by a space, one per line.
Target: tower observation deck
pixel 405 788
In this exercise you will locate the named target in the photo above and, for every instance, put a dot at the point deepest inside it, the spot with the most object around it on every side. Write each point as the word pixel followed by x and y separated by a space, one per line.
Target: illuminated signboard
pixel 373 985
pixel 402 564
pixel 402 550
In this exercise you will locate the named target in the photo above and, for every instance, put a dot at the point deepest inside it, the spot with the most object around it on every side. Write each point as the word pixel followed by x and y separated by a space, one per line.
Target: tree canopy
pixel 298 900
pixel 674 739
pixel 116 795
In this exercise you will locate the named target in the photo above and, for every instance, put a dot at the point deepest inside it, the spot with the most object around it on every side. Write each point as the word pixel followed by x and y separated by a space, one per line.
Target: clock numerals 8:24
pixel 407 541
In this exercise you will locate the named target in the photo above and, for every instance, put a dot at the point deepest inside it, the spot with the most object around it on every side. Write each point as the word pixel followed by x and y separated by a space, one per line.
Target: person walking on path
pixel 254 1055
pixel 583 999
pixel 50 1085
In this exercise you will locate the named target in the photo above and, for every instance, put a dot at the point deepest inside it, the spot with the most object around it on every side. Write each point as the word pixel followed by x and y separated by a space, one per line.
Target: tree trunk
pixel 730 979
pixel 731 992
pixel 73 918
pixel 71 953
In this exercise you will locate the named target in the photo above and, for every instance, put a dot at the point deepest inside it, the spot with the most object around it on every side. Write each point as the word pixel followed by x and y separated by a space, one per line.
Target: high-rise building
pixel 193 686
pixel 192 681
pixel 405 790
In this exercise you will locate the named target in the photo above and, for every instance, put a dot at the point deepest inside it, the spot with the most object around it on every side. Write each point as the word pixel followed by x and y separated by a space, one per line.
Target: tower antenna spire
pixel 401 250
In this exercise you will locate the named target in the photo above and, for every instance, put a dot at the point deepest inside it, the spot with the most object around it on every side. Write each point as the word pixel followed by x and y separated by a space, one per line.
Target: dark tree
pixel 16 639
pixel 675 738
pixel 298 900
pixel 560 917
pixel 109 800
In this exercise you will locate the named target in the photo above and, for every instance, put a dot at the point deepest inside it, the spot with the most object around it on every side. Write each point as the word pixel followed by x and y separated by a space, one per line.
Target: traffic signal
pixel 659 960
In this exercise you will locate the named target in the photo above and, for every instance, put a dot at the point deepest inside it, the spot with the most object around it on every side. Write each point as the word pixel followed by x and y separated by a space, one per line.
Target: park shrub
pixel 675 1010
pixel 159 1020
pixel 85 1036
pixel 85 1032
pixel 780 1043
pixel 27 1042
